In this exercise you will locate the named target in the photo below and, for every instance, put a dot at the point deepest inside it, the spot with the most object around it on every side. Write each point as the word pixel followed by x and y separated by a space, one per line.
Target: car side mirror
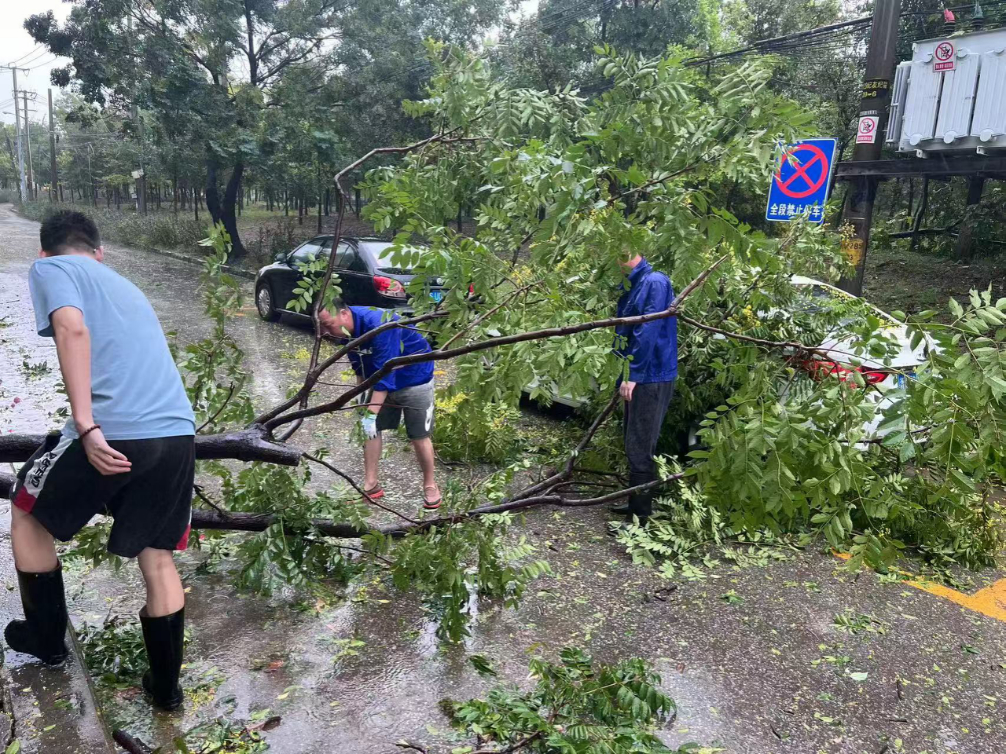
pixel 279 256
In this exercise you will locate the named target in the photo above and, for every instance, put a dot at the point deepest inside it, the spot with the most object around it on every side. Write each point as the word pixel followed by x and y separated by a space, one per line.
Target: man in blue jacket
pixel 405 391
pixel 652 352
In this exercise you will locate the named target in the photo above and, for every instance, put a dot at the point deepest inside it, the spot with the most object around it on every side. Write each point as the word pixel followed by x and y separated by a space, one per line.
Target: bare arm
pixel 73 347
pixel 377 400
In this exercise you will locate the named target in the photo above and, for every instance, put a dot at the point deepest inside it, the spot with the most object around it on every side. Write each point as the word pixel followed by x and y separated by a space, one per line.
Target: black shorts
pixel 151 504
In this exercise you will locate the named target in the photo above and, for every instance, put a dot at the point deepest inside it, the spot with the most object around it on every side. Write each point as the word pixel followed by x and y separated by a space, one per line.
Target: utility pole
pixel 27 141
pixel 52 153
pixel 13 162
pixel 881 56
pixel 17 131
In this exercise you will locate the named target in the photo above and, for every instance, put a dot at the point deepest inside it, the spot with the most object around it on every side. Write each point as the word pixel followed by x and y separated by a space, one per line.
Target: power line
pixel 37 47
pixel 41 54
pixel 43 63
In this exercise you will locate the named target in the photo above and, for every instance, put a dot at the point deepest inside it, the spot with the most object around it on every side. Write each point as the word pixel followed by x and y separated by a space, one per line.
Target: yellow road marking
pixel 990 601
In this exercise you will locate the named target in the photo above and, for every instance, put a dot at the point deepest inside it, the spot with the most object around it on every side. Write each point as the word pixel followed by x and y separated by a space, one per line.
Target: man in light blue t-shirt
pixel 127 451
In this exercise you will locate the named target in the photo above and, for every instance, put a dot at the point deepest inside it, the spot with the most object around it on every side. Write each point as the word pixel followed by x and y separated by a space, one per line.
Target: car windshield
pixel 383 254
pixel 813 299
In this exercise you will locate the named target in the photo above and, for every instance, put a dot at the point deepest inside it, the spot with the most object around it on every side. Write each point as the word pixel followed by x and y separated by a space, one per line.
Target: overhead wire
pixel 40 55
pixel 17 60
pixel 43 63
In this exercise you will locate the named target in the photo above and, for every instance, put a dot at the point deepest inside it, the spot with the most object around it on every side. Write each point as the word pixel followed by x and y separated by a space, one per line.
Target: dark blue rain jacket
pixel 395 341
pixel 652 347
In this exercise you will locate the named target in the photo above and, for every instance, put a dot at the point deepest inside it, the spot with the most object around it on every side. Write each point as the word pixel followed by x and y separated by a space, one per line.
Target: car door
pixel 353 276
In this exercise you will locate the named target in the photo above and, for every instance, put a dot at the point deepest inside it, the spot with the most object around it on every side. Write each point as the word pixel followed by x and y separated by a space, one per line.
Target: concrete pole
pixel 54 176
pixel 881 56
pixel 20 146
pixel 27 141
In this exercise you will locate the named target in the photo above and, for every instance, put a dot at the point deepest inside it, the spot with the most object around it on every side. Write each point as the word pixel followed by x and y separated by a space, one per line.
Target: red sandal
pixel 432 505
pixel 373 494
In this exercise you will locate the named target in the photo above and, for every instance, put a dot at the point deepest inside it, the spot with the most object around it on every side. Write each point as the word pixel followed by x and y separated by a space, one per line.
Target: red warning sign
pixel 867 131
pixel 801 183
pixel 946 56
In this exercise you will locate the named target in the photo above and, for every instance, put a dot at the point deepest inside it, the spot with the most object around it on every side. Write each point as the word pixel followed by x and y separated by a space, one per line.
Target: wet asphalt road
pixel 765 670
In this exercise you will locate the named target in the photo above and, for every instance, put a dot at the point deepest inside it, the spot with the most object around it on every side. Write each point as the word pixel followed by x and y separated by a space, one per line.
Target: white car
pixel 884 375
pixel 890 373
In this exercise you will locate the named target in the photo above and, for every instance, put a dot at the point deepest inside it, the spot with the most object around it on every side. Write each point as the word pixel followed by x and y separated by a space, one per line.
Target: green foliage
pixel 291 551
pixel 114 652
pixel 688 534
pixel 467 430
pixel 309 286
pixel 577 705
pixel 155 230
pixel 585 184
pixel 213 368
pixel 220 737
pixel 851 623
pixel 452 565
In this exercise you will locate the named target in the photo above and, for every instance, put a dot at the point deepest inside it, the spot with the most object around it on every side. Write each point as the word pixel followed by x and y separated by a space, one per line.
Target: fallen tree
pixel 568 190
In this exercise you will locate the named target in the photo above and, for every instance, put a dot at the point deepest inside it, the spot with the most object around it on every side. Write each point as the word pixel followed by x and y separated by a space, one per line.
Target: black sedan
pixel 366 273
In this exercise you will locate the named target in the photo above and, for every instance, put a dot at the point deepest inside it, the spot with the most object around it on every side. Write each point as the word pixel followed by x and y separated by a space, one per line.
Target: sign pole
pixel 873 111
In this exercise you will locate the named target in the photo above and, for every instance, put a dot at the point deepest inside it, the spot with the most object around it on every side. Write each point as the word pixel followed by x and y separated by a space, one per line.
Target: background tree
pixel 208 71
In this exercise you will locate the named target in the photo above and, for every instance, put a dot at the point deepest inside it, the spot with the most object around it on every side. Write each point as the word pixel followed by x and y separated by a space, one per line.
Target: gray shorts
pixel 417 405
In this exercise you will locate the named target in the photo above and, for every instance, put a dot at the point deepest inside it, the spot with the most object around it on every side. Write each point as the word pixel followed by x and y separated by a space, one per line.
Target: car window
pixel 310 250
pixel 383 255
pixel 345 256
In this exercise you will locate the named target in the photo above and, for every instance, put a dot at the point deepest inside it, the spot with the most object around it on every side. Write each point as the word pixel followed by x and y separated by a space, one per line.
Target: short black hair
pixel 338 305
pixel 66 230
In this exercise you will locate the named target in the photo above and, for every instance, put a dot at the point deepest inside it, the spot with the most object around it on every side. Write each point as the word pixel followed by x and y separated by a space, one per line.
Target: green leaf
pixel 482 665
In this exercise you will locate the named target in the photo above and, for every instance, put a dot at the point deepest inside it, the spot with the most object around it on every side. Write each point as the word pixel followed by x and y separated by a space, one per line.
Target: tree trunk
pixel 229 218
pixel 911 199
pixel 224 211
pixel 921 213
pixel 964 240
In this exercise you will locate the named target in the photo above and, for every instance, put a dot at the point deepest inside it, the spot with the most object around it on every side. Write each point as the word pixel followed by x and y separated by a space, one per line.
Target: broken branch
pixel 250 444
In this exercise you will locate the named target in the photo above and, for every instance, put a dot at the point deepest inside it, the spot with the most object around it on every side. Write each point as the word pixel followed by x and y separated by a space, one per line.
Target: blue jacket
pixel 651 347
pixel 395 341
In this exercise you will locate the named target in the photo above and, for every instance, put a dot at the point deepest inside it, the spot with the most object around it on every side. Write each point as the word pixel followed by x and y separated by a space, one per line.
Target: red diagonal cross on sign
pixel 801 172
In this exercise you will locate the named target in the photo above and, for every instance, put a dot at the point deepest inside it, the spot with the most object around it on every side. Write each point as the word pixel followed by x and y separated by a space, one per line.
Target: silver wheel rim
pixel 264 301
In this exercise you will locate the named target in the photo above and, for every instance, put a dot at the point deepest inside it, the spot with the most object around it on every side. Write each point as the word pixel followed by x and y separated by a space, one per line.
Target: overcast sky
pixel 17 45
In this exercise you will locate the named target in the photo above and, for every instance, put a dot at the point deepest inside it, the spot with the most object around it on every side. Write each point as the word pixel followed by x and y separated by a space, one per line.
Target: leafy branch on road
pixel 577 186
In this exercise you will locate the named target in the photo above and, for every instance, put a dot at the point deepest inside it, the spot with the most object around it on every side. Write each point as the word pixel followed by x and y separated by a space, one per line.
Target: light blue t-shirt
pixel 136 390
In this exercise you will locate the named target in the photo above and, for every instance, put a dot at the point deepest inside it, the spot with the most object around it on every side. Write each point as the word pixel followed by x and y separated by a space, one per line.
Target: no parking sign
pixel 801 181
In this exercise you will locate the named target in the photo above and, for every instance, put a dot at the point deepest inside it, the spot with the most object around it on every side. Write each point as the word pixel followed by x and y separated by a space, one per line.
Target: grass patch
pixel 158 230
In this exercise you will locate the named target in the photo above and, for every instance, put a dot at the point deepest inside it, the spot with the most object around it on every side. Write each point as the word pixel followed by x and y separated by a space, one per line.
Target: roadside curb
pixel 48 711
pixel 230 270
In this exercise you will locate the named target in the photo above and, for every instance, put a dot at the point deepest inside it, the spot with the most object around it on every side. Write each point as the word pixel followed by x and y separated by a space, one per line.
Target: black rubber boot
pixel 43 630
pixel 620 510
pixel 164 638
